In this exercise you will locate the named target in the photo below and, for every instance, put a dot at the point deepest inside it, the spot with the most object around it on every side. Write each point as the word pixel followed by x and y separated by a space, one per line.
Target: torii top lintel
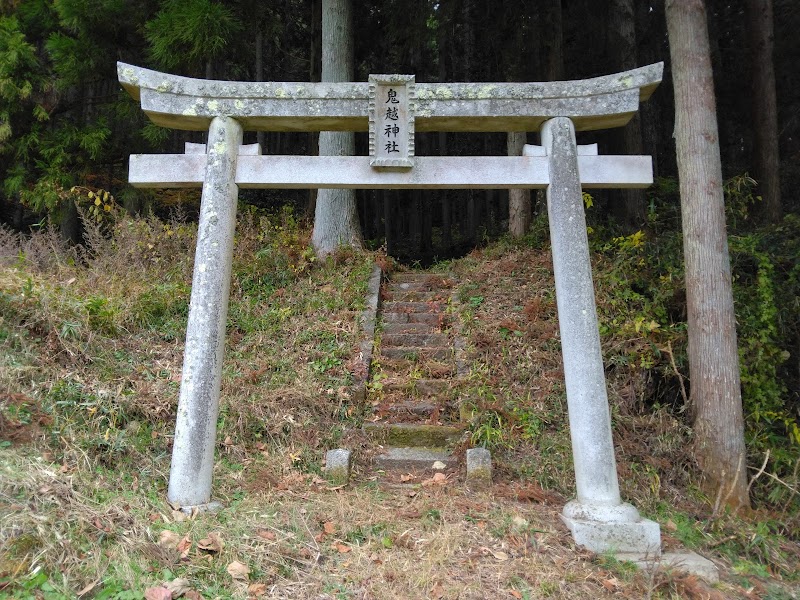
pixel 190 104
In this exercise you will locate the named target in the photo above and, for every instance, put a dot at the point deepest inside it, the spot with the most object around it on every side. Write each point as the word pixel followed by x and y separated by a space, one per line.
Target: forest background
pixel 67 129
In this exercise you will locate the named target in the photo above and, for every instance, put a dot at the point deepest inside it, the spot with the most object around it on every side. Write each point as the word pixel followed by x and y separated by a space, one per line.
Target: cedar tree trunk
pixel 336 218
pixel 713 359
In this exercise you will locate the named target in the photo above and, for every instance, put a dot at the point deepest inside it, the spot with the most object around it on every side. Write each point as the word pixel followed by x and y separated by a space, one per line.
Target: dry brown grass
pixel 83 499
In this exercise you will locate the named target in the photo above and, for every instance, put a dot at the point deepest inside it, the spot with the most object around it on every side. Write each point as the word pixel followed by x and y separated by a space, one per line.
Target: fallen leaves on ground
pixel 169 539
pixel 157 593
pixel 238 571
pixel 266 534
pixel 256 589
pixel 341 548
pixel 178 587
pixel 437 479
pixel 212 543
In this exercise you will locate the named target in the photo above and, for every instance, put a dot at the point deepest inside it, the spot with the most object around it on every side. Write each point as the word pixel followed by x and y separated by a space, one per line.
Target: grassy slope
pixel 89 375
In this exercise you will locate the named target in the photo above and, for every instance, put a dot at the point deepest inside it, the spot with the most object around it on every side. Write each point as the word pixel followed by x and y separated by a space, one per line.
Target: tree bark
pixel 631 208
pixel 519 200
pixel 766 160
pixel 336 220
pixel 553 41
pixel 713 360
pixel 314 74
pixel 259 75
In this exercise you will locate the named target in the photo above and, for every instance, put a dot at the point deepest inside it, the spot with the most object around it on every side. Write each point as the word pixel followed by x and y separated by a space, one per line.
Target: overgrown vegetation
pixel 92 340
pixel 508 314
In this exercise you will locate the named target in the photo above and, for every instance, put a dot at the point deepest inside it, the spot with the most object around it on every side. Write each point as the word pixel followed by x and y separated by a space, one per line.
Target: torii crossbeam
pixel 392 108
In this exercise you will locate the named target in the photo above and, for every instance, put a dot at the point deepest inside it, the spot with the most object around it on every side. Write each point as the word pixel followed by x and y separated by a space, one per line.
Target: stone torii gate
pixel 392 108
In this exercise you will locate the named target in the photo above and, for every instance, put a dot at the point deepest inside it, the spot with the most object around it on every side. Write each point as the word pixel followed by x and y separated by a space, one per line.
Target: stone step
pixel 394 328
pixel 419 387
pixel 429 318
pixel 412 307
pixel 408 286
pixel 428 340
pixel 414 296
pixel 407 407
pixel 404 435
pixel 415 354
pixel 411 277
pixel 414 459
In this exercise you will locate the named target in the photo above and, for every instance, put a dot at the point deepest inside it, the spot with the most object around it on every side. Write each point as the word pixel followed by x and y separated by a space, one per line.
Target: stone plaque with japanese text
pixel 391 121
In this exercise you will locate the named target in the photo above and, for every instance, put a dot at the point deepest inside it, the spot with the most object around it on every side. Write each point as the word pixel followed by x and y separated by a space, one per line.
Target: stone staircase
pixel 412 392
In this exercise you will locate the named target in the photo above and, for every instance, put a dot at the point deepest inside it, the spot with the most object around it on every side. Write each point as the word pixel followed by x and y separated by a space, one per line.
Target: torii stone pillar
pixel 198 406
pixel 598 518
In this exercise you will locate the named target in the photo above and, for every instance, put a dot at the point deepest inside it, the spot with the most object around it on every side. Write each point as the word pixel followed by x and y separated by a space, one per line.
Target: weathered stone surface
pixel 430 387
pixel 412 307
pixel 337 466
pixel 393 328
pixel 416 387
pixel 414 458
pixel 410 286
pixel 413 295
pixel 432 172
pixel 406 435
pixel 184 103
pixel 426 318
pixel 391 121
pixel 642 536
pixel 410 407
pixel 198 406
pixel 413 353
pixel 428 340
pixel 370 314
pixel 686 562
pixel 209 507
pixel 598 519
pixel 587 400
pixel 479 468
pixel 413 278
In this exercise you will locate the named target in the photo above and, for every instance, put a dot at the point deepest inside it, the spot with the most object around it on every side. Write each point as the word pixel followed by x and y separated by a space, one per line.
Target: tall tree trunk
pixel 766 159
pixel 447 226
pixel 553 41
pixel 314 74
pixel 336 219
pixel 632 204
pixel 388 221
pixel 519 200
pixel 713 359
pixel 259 75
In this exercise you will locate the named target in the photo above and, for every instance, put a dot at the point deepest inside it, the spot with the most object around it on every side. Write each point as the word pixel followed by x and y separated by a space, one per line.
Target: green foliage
pixel 641 297
pixel 190 32
pixel 766 292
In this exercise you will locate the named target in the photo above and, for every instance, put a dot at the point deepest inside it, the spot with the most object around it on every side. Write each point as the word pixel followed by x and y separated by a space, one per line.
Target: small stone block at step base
pixel 479 468
pixel 413 459
pixel 641 537
pixel 337 466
